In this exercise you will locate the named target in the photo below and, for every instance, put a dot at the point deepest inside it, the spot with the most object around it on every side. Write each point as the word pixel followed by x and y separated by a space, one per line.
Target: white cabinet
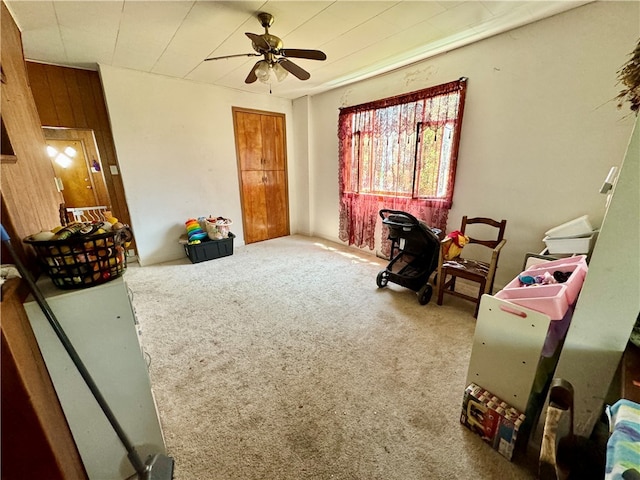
pixel 100 323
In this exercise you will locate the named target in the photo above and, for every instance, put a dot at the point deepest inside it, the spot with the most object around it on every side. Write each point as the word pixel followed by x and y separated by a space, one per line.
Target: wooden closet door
pixel 254 206
pixel 276 199
pixel 261 151
pixel 272 142
pixel 249 141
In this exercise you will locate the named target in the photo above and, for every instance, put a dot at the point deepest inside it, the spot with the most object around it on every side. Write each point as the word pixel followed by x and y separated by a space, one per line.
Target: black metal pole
pixel 132 454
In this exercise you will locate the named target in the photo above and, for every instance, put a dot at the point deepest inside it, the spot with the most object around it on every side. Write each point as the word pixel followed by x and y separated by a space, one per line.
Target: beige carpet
pixel 285 361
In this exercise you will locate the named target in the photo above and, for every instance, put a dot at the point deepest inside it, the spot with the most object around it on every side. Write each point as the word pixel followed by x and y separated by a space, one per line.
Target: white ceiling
pixel 360 38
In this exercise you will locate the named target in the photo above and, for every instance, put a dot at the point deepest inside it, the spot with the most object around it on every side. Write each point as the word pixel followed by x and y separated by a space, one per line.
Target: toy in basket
pixel 82 254
pixel 218 227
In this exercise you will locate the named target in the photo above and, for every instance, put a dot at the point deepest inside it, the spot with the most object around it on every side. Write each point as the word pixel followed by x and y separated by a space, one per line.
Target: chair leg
pixel 441 286
pixel 489 288
pixel 480 293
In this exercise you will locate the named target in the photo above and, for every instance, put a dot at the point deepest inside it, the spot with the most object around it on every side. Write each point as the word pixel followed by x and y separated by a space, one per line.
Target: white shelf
pixel 507 346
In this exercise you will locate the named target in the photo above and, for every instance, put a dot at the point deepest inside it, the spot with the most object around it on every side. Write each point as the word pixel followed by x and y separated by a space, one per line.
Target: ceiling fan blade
pixel 259 41
pixel 297 53
pixel 252 74
pixel 294 69
pixel 233 56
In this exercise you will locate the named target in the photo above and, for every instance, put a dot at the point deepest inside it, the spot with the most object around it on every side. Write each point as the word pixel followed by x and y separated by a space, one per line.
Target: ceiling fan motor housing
pixel 275 44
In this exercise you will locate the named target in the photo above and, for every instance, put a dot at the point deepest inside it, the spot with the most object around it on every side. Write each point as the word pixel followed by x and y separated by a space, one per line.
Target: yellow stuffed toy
pixel 453 244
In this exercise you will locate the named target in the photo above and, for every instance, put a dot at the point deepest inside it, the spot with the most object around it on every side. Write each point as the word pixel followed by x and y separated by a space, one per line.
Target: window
pixel 400 151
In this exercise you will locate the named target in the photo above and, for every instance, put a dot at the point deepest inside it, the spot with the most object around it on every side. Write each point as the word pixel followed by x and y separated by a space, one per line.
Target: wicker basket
pixel 85 260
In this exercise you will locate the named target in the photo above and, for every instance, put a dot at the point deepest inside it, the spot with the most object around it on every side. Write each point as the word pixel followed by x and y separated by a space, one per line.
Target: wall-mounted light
pixel 70 151
pixel 62 160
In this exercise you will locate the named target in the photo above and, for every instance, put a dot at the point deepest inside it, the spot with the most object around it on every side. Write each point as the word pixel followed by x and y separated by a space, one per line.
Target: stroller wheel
pixel 424 294
pixel 382 279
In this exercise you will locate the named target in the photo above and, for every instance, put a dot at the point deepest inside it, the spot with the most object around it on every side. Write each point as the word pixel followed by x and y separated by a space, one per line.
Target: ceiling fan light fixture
pixel 263 72
pixel 266 71
pixel 280 72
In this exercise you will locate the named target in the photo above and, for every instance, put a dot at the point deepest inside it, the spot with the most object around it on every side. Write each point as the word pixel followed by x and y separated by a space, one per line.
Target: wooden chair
pixel 480 271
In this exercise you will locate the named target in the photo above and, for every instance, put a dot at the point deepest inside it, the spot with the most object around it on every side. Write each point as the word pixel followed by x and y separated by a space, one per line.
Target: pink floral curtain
pixel 378 145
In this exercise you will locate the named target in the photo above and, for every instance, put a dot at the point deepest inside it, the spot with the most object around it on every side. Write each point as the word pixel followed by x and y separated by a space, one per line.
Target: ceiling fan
pixel 276 59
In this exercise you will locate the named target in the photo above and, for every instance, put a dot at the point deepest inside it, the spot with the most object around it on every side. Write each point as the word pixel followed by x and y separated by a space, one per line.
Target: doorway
pixel 77 166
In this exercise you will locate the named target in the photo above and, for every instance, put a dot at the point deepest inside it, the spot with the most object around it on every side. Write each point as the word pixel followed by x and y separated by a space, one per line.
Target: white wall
pixel 540 132
pixel 175 145
pixel 300 209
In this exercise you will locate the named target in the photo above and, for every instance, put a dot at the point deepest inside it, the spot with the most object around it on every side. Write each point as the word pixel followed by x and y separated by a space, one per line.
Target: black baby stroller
pixel 414 253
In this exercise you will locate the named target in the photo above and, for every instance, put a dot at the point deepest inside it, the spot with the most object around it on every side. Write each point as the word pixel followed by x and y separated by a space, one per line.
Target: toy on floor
pixel 195 233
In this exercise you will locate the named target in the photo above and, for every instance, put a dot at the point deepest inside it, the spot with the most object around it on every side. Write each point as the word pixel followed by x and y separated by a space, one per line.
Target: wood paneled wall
pixel 28 187
pixel 73 98
pixel 36 440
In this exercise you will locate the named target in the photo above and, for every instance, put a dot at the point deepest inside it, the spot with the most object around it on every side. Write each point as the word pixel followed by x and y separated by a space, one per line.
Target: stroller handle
pixel 385 212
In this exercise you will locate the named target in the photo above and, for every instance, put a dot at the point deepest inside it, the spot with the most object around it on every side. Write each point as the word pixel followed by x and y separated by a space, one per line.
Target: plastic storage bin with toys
pixel 207 238
pixel 82 254
pixel 550 287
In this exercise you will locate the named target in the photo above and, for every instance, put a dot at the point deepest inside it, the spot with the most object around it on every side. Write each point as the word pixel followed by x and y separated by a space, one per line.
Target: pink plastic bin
pixel 548 299
pixel 578 259
pixel 573 284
